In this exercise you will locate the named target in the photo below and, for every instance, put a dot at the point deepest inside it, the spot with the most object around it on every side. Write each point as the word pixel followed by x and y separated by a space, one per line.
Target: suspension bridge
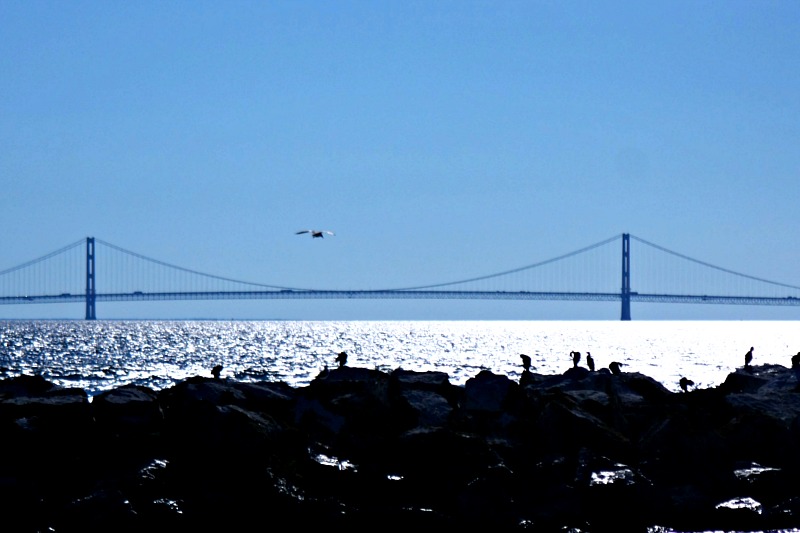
pixel 92 270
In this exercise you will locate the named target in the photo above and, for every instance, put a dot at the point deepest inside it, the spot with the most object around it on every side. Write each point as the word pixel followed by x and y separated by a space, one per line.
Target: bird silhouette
pixel 526 361
pixel 315 233
pixel 216 371
pixel 748 357
pixel 590 361
pixel 796 359
pixel 615 368
pixel 341 358
pixel 576 358
pixel 685 383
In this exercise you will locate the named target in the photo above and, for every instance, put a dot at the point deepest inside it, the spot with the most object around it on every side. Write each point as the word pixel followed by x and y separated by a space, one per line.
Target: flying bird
pixel 315 233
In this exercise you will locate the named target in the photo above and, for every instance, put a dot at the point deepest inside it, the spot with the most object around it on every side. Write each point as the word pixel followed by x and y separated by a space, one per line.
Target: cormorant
pixel 315 233
pixel 215 371
pixel 590 361
pixel 526 362
pixel 341 358
pixel 576 358
pixel 685 383
pixel 748 357
pixel 615 368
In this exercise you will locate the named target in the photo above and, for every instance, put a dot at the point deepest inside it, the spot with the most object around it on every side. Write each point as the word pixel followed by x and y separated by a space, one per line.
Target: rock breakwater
pixel 363 448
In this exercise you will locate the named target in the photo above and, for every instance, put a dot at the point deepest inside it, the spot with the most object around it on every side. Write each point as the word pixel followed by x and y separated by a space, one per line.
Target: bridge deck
pixel 408 294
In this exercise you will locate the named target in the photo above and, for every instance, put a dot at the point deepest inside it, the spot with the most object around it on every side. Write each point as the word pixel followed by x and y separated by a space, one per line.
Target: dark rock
pixel 489 393
pixel 361 448
pixel 130 409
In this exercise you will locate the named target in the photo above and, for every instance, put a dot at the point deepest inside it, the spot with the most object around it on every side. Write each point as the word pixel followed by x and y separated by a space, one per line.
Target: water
pixel 105 354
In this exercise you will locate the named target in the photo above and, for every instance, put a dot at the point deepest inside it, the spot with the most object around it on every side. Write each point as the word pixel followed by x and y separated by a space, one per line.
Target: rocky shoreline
pixel 362 448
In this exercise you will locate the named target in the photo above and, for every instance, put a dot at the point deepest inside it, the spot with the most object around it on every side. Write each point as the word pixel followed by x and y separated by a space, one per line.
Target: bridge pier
pixel 626 277
pixel 90 288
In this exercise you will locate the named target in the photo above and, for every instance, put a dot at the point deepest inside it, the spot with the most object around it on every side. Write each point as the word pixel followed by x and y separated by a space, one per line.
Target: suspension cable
pixel 542 263
pixel 714 266
pixel 187 270
pixel 44 257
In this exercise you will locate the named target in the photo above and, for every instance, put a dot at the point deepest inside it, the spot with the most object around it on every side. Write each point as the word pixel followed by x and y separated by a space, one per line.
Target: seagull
pixel 315 233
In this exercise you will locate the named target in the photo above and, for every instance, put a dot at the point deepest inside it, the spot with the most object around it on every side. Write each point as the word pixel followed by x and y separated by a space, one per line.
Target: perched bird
pixel 796 370
pixel 576 358
pixel 590 361
pixel 216 371
pixel 526 362
pixel 615 368
pixel 315 234
pixel 748 357
pixel 685 383
pixel 341 358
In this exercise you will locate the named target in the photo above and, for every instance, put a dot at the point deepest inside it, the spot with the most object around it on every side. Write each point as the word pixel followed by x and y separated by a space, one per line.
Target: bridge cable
pixel 515 270
pixel 44 257
pixel 187 270
pixel 714 266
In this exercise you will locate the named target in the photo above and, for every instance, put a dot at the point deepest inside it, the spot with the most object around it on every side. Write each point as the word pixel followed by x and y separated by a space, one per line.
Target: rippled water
pixel 103 354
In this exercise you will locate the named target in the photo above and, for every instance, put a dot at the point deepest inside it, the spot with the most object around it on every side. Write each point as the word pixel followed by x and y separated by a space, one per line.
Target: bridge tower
pixel 90 290
pixel 626 277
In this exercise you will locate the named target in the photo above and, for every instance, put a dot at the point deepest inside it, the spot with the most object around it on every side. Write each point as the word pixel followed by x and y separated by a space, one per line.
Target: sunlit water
pixel 104 354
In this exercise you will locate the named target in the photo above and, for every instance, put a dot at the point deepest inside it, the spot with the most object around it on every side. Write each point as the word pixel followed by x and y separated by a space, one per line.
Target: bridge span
pixel 677 279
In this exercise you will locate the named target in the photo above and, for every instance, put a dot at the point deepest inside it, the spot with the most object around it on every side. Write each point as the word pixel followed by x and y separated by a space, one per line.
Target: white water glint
pixel 99 355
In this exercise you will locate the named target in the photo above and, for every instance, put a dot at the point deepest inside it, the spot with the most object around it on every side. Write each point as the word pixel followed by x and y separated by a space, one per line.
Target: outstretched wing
pixel 315 232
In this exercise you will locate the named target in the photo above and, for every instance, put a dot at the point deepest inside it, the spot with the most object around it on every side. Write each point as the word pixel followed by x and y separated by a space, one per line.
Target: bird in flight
pixel 315 233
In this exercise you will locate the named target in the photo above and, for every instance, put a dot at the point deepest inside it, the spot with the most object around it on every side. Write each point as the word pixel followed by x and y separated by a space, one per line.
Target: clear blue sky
pixel 440 140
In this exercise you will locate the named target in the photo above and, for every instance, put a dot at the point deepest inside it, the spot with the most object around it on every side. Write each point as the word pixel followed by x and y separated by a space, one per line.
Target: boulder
pixel 360 448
